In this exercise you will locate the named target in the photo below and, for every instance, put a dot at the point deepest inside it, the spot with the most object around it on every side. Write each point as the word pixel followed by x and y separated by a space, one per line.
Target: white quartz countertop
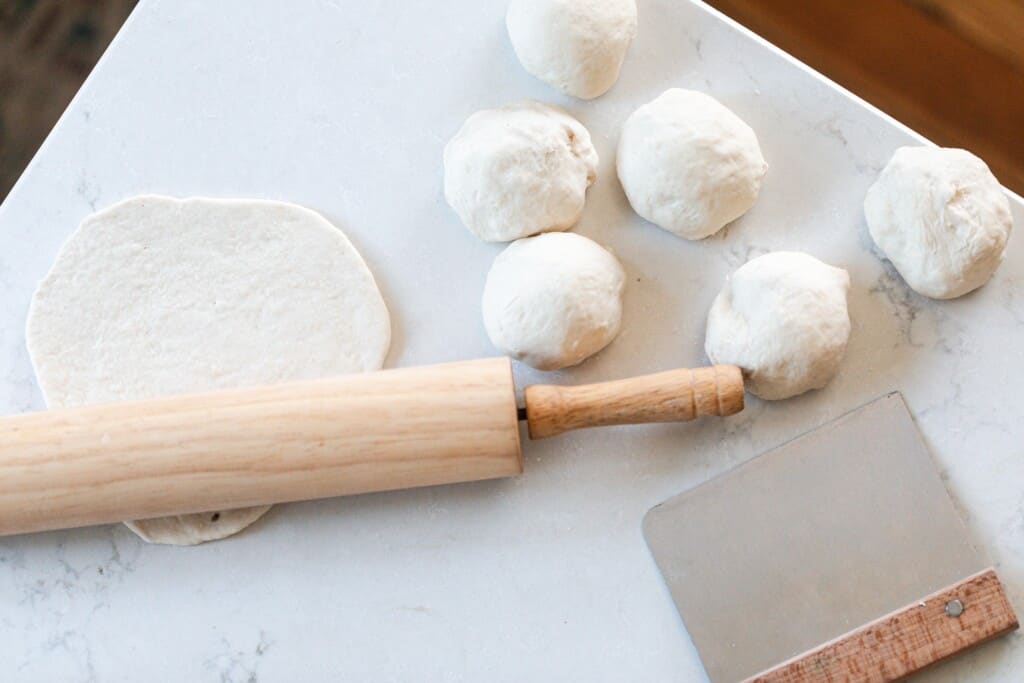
pixel 345 107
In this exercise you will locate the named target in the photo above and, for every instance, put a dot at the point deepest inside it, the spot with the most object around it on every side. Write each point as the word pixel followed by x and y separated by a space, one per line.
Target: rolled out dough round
pixel 157 296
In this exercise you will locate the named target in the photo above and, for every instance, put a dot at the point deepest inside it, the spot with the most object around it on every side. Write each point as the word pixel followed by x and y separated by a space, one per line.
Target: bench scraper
pixel 835 557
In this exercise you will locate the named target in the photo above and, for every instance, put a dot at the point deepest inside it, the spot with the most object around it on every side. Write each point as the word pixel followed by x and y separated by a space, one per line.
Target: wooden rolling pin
pixel 355 434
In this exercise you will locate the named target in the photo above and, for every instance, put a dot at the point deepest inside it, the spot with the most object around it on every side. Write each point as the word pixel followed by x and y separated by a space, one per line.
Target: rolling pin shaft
pixel 194 453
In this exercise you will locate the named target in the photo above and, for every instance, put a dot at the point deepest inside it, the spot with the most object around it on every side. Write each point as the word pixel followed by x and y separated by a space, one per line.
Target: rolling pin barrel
pixel 229 449
pixel 356 434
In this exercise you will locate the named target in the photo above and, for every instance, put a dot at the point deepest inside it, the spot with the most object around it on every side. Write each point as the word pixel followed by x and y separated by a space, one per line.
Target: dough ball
pixel 553 300
pixel 942 219
pixel 576 46
pixel 158 296
pixel 688 164
pixel 519 170
pixel 782 318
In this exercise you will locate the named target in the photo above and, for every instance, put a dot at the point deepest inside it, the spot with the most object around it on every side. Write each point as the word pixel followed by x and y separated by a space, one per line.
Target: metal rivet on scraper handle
pixel 954 608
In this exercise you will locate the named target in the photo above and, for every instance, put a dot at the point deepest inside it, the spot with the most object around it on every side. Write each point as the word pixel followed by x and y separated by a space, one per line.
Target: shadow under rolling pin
pixel 385 430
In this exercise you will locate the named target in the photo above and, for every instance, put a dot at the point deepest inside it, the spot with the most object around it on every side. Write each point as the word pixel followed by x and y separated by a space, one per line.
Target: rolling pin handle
pixel 673 396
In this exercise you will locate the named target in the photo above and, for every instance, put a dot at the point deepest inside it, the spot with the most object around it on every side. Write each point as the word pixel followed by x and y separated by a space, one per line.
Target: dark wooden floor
pixel 47 48
pixel 952 69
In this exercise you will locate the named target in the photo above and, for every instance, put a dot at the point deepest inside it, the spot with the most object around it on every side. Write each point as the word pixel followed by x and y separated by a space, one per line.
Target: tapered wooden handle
pixel 673 396
pixel 926 632
pixel 228 449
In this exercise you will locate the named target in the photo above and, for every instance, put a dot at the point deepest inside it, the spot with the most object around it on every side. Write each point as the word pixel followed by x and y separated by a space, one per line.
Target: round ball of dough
pixel 782 318
pixel 519 170
pixel 553 300
pixel 942 219
pixel 688 164
pixel 576 46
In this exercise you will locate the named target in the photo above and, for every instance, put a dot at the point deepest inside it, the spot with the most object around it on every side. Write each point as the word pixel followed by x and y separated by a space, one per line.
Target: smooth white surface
pixel 345 108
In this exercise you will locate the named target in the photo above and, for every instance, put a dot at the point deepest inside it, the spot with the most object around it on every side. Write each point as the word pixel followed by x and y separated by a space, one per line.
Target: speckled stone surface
pixel 345 108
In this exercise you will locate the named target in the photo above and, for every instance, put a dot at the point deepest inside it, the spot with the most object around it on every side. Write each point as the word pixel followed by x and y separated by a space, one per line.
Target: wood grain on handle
pixel 672 396
pixel 907 640
pixel 384 430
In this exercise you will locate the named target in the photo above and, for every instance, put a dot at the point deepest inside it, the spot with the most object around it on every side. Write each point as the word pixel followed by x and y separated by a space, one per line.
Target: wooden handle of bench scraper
pixel 925 632
pixel 673 396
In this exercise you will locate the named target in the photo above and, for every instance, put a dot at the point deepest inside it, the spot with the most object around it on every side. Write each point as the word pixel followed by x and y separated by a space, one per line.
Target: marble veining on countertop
pixel 345 108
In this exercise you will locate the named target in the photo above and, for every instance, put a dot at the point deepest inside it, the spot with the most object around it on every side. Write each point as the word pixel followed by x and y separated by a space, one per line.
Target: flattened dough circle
pixel 157 296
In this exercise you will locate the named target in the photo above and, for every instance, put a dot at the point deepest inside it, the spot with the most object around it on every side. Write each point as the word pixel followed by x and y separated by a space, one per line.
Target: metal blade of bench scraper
pixel 810 540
